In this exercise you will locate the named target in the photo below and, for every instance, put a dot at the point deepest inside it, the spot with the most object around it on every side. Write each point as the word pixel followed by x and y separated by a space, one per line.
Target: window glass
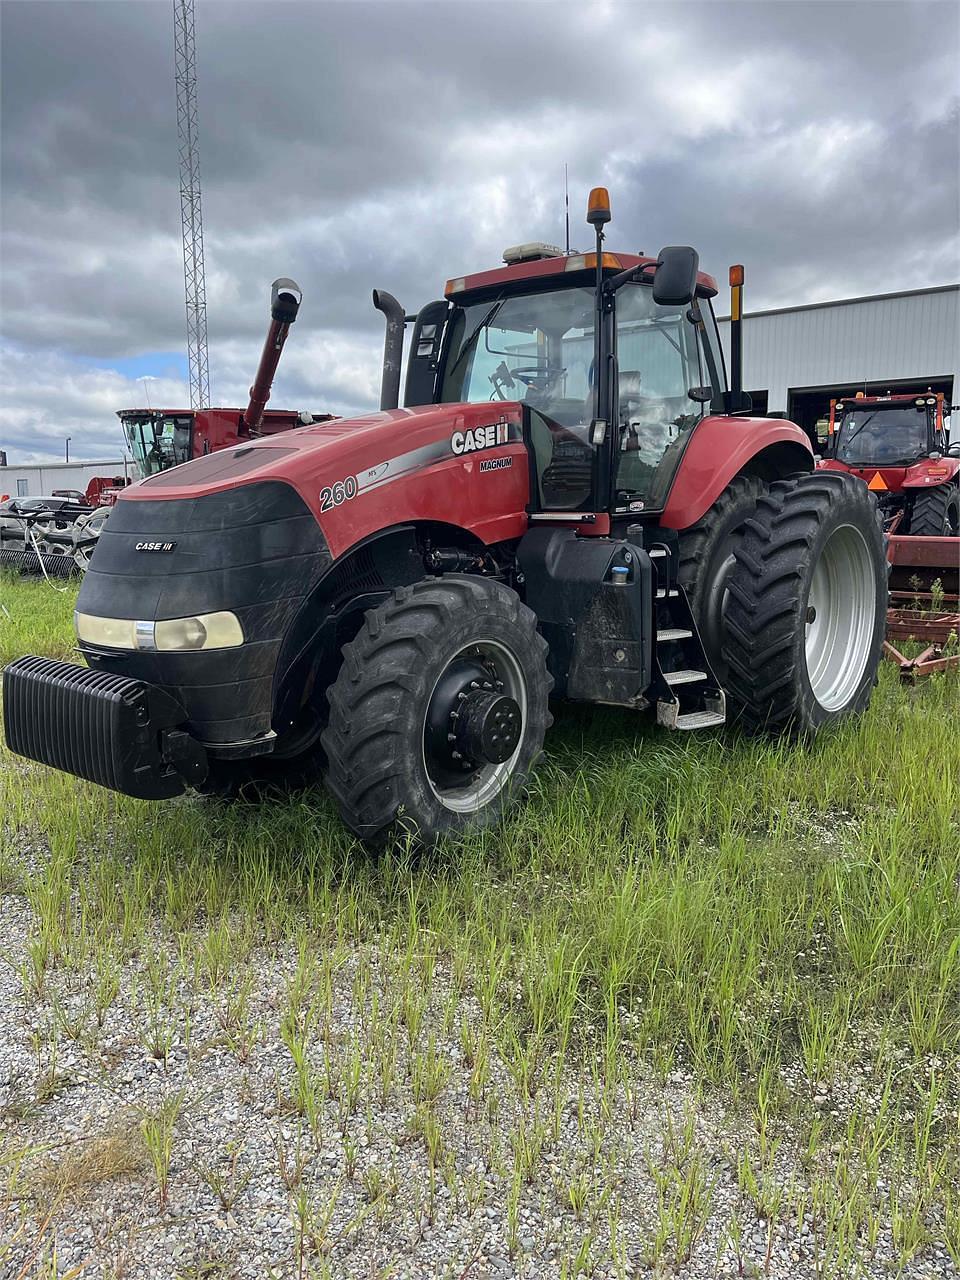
pixel 882 435
pixel 159 442
pixel 536 348
pixel 659 359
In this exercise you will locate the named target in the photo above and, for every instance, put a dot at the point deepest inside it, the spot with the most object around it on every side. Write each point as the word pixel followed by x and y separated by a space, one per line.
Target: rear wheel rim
pixel 484 784
pixel 840 618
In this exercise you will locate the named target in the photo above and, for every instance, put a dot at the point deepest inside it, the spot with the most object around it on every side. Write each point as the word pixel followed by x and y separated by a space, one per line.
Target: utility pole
pixel 66 448
pixel 191 216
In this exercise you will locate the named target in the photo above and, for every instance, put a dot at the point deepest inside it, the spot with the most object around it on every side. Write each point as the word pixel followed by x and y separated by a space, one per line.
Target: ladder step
pixel 663 594
pixel 699 720
pixel 673 633
pixel 683 677
pixel 657 553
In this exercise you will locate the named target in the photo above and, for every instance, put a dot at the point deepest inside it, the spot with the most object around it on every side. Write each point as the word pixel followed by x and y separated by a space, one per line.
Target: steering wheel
pixel 501 377
pixel 528 375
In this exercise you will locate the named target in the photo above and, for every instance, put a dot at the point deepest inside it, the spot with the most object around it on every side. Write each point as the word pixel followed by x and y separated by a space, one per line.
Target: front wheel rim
pixel 486 783
pixel 840 618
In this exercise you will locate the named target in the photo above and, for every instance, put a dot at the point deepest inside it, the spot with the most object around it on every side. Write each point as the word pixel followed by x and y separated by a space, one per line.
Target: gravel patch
pixel 331 1111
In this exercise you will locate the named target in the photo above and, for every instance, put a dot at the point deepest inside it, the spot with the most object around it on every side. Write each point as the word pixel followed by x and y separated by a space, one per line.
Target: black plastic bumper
pixel 121 733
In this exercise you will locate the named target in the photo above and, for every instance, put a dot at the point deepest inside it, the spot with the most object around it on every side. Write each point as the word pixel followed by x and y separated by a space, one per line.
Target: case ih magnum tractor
pixel 568 503
pixel 898 445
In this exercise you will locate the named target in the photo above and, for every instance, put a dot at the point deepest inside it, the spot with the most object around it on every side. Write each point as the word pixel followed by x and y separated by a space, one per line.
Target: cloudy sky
pixel 354 144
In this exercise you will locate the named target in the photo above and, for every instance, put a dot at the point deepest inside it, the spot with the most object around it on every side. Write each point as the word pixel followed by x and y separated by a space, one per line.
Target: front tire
pixel 807 604
pixel 936 513
pixel 441 678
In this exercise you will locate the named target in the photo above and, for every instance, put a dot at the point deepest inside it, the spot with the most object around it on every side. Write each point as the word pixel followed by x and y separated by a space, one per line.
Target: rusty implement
pixel 924 664
pixel 922 614
pixel 918 562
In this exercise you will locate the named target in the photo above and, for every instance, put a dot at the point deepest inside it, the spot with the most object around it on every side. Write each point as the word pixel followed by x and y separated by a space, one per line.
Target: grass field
pixel 696 1007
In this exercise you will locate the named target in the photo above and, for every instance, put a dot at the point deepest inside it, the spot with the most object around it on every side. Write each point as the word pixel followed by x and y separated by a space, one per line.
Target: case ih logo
pixel 155 546
pixel 480 438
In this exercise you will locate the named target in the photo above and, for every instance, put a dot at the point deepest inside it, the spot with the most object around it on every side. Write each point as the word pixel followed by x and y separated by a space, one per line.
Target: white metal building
pixel 796 358
pixel 39 479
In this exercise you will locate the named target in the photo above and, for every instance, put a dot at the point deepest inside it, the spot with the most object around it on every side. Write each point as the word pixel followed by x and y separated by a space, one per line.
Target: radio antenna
pixel 566 205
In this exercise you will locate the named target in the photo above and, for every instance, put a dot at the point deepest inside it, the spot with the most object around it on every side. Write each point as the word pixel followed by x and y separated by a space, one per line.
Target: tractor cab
pixel 158 438
pixel 887 431
pixel 611 360
pixel 533 340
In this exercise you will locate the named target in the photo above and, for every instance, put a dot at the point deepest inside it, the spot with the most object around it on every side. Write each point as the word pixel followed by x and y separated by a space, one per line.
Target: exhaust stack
pixel 392 347
pixel 285 299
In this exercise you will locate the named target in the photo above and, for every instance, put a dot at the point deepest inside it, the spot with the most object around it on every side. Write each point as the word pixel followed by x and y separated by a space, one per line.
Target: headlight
pixel 204 631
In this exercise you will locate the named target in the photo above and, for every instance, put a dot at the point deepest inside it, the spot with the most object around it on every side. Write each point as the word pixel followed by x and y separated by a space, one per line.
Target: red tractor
pixel 571 503
pixel 898 445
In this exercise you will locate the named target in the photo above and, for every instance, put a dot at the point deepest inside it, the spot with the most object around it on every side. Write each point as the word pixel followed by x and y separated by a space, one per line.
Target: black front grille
pixel 102 727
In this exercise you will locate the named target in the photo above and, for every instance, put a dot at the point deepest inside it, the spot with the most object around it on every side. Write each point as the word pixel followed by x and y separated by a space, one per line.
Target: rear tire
pixel 389 765
pixel 707 560
pixel 807 604
pixel 936 513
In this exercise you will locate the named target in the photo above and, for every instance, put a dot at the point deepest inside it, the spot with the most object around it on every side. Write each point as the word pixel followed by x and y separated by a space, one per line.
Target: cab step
pixel 683 677
pixel 663 594
pixel 699 720
pixel 673 633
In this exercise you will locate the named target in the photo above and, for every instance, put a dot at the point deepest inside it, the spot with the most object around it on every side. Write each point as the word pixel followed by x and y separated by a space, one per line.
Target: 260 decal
pixel 334 495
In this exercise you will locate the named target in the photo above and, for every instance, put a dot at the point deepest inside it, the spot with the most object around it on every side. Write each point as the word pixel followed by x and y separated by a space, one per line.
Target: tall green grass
pixel 763 915
pixel 35 617
pixel 744 900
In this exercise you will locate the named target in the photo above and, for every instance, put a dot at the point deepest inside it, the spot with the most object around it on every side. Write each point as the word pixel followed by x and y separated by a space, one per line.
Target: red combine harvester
pixel 571 501
pixel 61 542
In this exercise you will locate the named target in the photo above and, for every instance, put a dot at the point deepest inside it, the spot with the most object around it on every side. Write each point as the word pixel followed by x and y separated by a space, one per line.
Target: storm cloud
pixel 354 145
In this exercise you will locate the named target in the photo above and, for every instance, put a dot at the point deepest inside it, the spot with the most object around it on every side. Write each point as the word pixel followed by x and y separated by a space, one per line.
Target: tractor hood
pixel 363 474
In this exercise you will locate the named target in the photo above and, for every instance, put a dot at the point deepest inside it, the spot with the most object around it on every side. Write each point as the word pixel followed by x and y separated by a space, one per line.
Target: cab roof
pixel 540 268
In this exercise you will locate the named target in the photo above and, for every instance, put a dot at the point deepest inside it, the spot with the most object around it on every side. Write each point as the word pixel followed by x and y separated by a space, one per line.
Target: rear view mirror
pixel 675 279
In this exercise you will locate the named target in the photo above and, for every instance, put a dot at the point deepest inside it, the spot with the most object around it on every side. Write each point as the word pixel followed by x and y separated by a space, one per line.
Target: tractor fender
pixel 929 472
pixel 360 578
pixel 723 447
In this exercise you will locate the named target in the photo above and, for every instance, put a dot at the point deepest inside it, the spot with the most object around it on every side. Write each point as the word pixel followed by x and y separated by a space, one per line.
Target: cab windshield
pixel 538 348
pixel 872 436
pixel 159 441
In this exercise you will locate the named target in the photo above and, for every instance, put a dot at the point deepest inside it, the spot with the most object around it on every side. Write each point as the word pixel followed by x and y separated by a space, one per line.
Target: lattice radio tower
pixel 191 216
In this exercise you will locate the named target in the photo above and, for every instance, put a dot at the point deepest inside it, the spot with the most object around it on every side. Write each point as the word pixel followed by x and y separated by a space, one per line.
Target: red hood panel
pixel 364 474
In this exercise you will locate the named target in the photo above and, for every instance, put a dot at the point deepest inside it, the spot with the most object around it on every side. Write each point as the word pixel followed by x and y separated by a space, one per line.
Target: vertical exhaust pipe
pixel 392 347
pixel 736 337
pixel 285 299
